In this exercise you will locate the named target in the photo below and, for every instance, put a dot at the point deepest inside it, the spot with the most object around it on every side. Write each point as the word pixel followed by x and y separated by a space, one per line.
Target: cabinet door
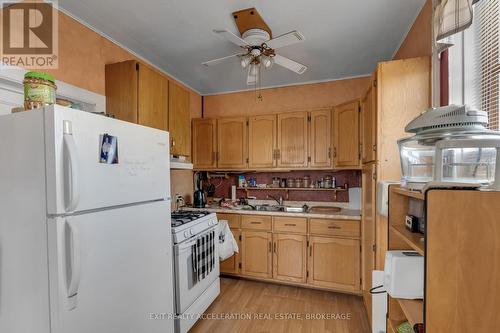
pixel 334 263
pixel 292 140
pixel 368 231
pixel 121 90
pixel 152 102
pixel 204 143
pixel 262 141
pixel 232 264
pixel 256 259
pixel 369 126
pixel 289 257
pixel 346 135
pixel 179 124
pixel 320 139
pixel 232 143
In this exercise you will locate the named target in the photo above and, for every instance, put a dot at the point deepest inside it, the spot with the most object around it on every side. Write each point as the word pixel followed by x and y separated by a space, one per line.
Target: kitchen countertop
pixel 343 214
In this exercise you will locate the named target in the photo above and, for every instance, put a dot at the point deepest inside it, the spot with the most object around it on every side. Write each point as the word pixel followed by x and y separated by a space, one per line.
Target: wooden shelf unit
pixel 461 260
pixel 400 238
pixel 287 189
pixel 414 240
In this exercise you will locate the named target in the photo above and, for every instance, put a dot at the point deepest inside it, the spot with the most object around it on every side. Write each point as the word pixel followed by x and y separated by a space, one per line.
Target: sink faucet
pixel 278 200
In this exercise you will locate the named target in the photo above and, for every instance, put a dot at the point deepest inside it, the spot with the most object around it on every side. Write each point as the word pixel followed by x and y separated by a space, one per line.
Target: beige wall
pixel 284 99
pixel 418 42
pixel 83 55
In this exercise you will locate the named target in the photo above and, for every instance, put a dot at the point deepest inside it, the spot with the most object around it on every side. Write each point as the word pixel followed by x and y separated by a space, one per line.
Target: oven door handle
pixel 187 245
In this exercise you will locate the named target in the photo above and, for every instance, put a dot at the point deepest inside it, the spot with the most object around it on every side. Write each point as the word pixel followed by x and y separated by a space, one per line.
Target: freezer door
pixel 77 179
pixel 111 271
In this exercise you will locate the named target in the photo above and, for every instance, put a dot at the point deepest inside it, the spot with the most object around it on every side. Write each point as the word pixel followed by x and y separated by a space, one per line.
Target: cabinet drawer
pixel 256 222
pixel 347 228
pixel 232 219
pixel 290 224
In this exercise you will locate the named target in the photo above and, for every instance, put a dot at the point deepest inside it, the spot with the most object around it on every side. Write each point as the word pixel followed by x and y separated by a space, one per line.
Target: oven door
pixel 196 267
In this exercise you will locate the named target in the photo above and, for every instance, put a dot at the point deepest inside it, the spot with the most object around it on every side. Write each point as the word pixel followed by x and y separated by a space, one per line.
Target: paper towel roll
pixel 233 193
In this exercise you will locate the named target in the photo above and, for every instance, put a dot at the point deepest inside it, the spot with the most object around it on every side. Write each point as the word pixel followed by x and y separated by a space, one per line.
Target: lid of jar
pixel 40 75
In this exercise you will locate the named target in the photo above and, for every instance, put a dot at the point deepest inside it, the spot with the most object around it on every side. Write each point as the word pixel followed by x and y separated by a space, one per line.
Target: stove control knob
pixel 191 232
pixel 186 233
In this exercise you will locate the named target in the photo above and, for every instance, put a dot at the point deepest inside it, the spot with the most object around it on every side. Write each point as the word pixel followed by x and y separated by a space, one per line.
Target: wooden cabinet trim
pixel 256 222
pixel 331 227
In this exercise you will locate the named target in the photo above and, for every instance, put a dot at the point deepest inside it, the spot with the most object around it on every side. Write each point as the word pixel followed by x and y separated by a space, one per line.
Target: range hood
pixel 180 163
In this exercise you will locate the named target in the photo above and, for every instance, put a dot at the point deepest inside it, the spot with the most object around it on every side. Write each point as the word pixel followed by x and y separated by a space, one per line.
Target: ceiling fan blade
pixel 287 39
pixel 232 37
pixel 219 60
pixel 252 78
pixel 289 64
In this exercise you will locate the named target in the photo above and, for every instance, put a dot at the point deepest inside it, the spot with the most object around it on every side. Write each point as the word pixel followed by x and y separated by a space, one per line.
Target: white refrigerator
pixel 85 240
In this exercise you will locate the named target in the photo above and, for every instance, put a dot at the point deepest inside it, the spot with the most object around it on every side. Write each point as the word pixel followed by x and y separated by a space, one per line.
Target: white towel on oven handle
pixel 227 244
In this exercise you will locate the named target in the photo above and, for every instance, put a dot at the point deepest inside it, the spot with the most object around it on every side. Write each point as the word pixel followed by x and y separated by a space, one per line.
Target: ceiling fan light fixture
pixel 267 61
pixel 246 60
pixel 254 70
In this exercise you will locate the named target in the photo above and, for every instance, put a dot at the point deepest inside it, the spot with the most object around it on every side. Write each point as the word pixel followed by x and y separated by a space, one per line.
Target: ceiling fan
pixel 259 48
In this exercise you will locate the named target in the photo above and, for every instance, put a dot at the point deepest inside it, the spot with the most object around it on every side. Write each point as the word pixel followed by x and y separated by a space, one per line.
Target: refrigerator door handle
pixel 73 264
pixel 71 184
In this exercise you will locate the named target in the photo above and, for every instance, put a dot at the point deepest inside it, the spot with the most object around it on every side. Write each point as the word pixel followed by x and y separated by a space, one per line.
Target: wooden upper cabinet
pixel 369 125
pixel 204 143
pixel 290 257
pixel 256 251
pixel 121 90
pixel 292 140
pixel 232 143
pixel 346 150
pixel 179 124
pixel 262 141
pixel 153 98
pixel 334 263
pixel 137 93
pixel 320 142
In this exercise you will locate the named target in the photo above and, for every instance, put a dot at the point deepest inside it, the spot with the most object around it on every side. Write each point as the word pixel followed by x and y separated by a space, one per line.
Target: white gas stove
pixel 196 264
pixel 187 224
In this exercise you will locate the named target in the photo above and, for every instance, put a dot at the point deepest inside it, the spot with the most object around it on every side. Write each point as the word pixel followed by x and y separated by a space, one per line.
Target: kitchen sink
pixel 267 208
pixel 291 209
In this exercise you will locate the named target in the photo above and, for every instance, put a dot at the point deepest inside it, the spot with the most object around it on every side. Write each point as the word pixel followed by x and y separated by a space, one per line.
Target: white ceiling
pixel 344 38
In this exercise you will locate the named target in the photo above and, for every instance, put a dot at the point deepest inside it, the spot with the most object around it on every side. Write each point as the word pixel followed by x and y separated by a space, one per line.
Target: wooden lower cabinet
pixel 232 264
pixel 256 258
pixel 290 257
pixel 334 263
pixel 319 253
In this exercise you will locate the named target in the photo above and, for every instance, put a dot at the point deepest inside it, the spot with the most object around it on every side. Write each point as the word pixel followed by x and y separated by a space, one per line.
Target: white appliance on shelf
pixel 85 246
pixel 404 274
pixel 196 262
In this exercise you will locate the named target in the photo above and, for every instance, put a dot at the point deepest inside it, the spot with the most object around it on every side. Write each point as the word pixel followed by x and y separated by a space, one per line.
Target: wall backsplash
pixel 350 177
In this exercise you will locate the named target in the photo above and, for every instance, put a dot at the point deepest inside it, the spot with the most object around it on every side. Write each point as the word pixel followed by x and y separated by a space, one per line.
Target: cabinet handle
pixel 334 152
pixel 290 224
pixel 278 154
pixel 255 222
pixel 310 250
pixel 270 247
pixel 330 152
pixel 334 227
pixel 374 147
pixel 275 251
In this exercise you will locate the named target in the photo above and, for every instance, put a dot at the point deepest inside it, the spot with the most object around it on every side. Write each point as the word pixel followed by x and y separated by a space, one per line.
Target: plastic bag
pixel 227 244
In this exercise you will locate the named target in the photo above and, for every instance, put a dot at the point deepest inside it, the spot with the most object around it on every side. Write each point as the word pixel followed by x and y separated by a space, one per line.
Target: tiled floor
pixel 264 307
